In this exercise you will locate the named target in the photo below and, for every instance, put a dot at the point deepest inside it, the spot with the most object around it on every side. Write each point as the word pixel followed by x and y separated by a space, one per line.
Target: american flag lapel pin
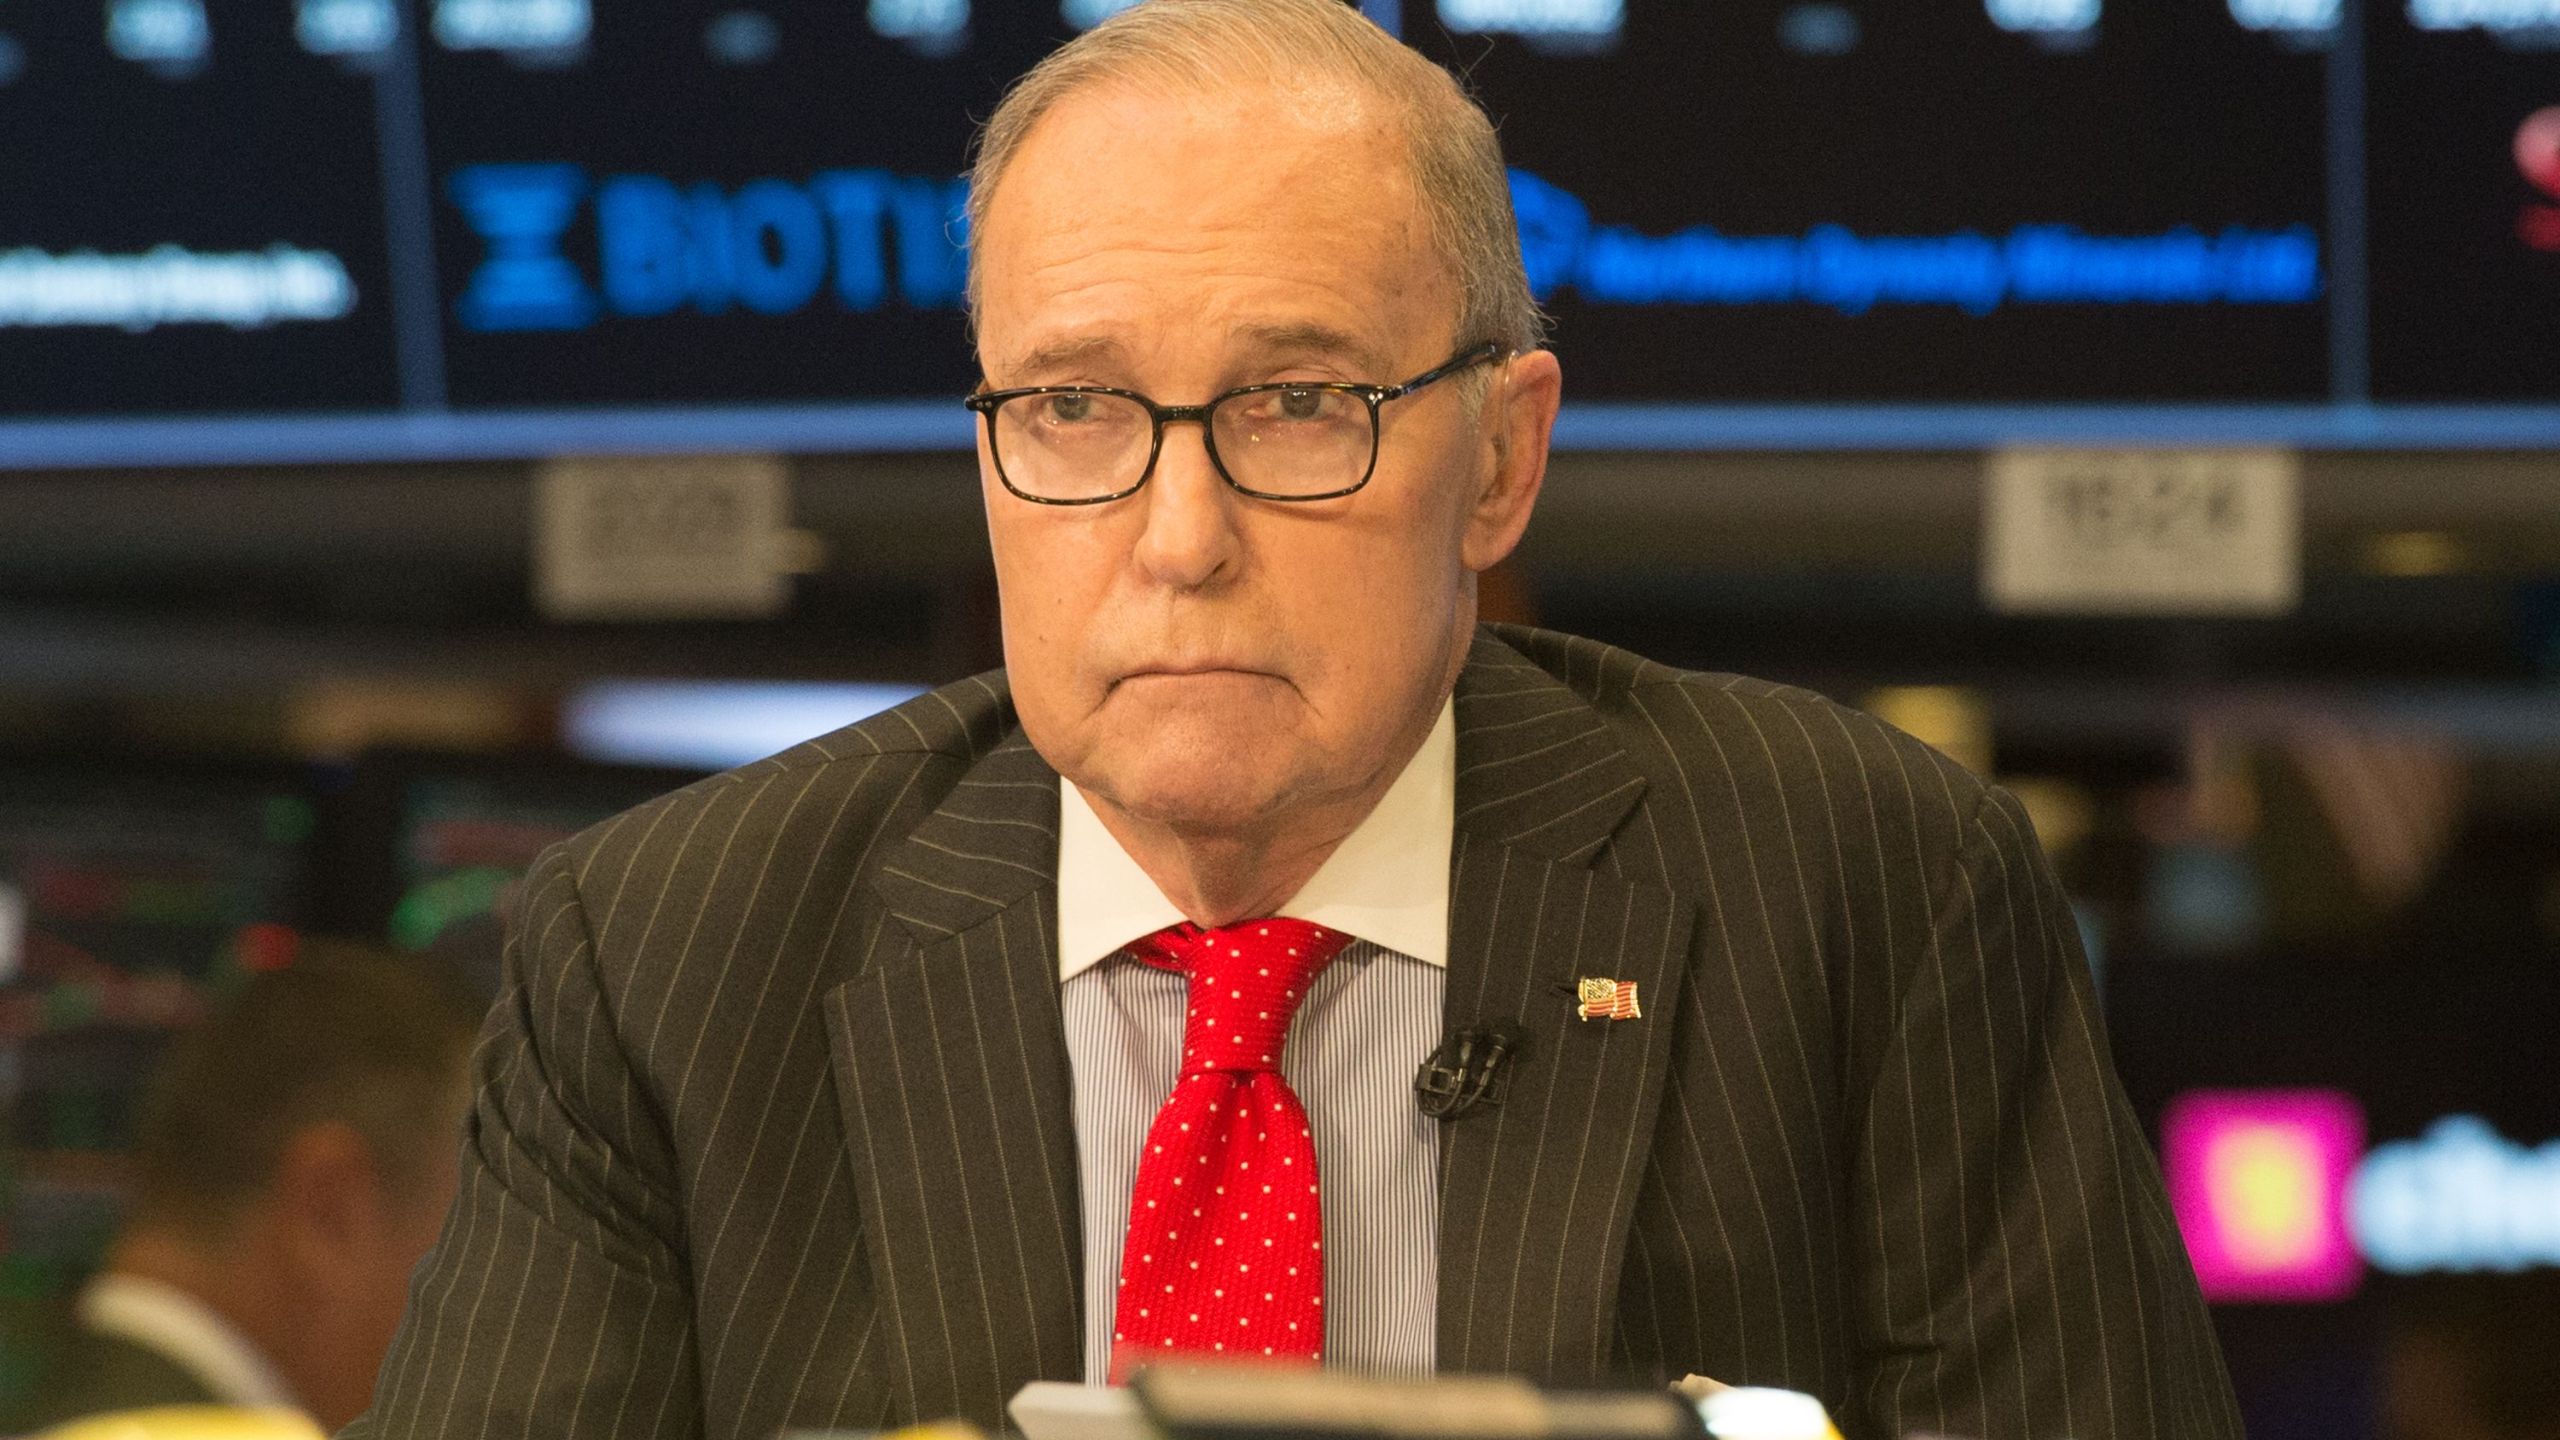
pixel 1607 999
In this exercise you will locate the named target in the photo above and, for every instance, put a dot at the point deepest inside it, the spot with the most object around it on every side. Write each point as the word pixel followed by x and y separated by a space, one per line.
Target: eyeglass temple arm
pixel 1473 355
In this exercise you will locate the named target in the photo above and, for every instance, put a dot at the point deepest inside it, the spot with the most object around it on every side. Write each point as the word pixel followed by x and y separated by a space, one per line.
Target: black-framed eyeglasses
pixel 1288 440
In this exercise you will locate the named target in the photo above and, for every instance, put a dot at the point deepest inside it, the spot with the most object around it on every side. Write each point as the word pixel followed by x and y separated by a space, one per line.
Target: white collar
pixel 1387 883
pixel 184 1331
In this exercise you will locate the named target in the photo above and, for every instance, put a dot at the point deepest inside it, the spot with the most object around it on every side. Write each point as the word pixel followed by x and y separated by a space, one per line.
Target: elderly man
pixel 1068 1017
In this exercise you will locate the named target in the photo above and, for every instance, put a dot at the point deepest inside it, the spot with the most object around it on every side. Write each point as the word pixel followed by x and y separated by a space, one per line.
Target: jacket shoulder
pixel 740 853
pixel 754 883
pixel 960 721
pixel 1758 753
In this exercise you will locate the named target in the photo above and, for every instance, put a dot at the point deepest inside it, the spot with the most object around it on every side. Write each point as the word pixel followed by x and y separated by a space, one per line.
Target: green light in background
pixel 288 820
pixel 437 905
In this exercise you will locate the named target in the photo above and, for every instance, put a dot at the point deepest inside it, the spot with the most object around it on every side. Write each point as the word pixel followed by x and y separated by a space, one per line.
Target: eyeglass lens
pixel 1081 446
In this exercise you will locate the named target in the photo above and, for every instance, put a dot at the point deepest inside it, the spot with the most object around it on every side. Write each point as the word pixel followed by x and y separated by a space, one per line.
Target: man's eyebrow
pixel 1059 354
pixel 1301 338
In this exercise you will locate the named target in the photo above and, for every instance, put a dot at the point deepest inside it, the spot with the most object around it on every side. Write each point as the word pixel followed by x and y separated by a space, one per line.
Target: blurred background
pixel 429 426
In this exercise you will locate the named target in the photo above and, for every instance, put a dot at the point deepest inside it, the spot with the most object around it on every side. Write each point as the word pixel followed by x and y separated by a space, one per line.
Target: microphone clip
pixel 1465 1072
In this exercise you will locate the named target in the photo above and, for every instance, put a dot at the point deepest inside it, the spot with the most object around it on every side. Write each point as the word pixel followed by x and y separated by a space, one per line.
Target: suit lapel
pixel 1536 1195
pixel 952 1073
pixel 951 1068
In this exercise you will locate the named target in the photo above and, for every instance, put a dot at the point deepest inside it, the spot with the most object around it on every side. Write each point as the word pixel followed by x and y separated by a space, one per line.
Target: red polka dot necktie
pixel 1225 1251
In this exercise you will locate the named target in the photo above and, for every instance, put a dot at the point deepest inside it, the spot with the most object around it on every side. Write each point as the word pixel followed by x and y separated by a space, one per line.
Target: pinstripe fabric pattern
pixel 1365 1026
pixel 774 1122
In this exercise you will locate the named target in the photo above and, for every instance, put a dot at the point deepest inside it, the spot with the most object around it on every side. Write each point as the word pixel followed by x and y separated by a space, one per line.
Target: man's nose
pixel 1190 540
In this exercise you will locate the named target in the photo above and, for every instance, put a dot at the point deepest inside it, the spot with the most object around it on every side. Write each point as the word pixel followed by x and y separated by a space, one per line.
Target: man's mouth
pixel 1193 670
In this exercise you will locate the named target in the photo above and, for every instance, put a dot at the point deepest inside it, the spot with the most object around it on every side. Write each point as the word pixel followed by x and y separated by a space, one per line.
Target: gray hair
pixel 1209 44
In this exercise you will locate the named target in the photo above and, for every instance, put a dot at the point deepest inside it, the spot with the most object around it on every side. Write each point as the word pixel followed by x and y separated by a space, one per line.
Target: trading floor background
pixel 429 426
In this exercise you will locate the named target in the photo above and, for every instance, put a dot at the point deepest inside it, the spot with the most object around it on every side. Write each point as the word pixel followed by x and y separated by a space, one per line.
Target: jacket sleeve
pixel 2020 1277
pixel 554 1304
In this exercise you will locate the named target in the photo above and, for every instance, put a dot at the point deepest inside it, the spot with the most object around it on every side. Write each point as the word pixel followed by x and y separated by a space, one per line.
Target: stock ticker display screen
pixel 357 229
pixel 129 896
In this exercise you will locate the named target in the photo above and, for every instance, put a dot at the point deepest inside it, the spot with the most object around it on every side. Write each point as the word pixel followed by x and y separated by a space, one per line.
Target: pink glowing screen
pixel 2258 1179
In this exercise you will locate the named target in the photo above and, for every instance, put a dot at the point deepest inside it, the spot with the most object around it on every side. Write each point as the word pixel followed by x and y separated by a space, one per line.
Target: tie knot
pixel 1247 981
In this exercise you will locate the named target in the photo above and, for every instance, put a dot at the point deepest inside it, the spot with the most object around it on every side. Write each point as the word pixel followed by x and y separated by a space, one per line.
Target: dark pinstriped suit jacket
pixel 773 1119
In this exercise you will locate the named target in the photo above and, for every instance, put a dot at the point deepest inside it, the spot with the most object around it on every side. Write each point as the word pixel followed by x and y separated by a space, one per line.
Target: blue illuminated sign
pixel 1584 19
pixel 525 283
pixel 851 238
pixel 2032 16
pixel 1836 268
pixel 2461 1197
pixel 771 247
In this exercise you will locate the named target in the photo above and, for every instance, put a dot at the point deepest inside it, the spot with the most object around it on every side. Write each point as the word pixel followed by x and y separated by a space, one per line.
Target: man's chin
pixel 1233 787
pixel 1192 801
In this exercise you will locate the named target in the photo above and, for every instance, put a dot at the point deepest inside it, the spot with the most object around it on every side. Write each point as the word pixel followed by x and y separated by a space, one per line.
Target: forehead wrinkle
pixel 1309 337
pixel 1248 270
pixel 1198 240
pixel 1067 350
pixel 1111 319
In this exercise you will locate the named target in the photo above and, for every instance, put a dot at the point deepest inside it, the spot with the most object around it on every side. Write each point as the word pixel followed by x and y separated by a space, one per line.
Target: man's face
pixel 1198 658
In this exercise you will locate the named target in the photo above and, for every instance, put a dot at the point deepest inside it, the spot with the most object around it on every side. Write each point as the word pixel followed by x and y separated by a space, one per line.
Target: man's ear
pixel 1519 420
pixel 328 1192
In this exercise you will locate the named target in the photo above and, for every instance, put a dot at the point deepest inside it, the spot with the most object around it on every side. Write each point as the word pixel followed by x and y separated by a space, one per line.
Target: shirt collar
pixel 183 1330
pixel 1387 883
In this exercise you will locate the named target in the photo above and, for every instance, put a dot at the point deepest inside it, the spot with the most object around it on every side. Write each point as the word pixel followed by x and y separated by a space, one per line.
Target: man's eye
pixel 1301 407
pixel 1070 409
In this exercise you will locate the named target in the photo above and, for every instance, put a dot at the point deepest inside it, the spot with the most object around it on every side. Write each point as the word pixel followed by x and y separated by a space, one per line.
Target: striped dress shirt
pixel 1364 1028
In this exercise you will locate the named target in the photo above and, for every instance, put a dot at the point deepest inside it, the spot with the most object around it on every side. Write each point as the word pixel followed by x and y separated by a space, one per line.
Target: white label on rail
pixel 662 537
pixel 2142 532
